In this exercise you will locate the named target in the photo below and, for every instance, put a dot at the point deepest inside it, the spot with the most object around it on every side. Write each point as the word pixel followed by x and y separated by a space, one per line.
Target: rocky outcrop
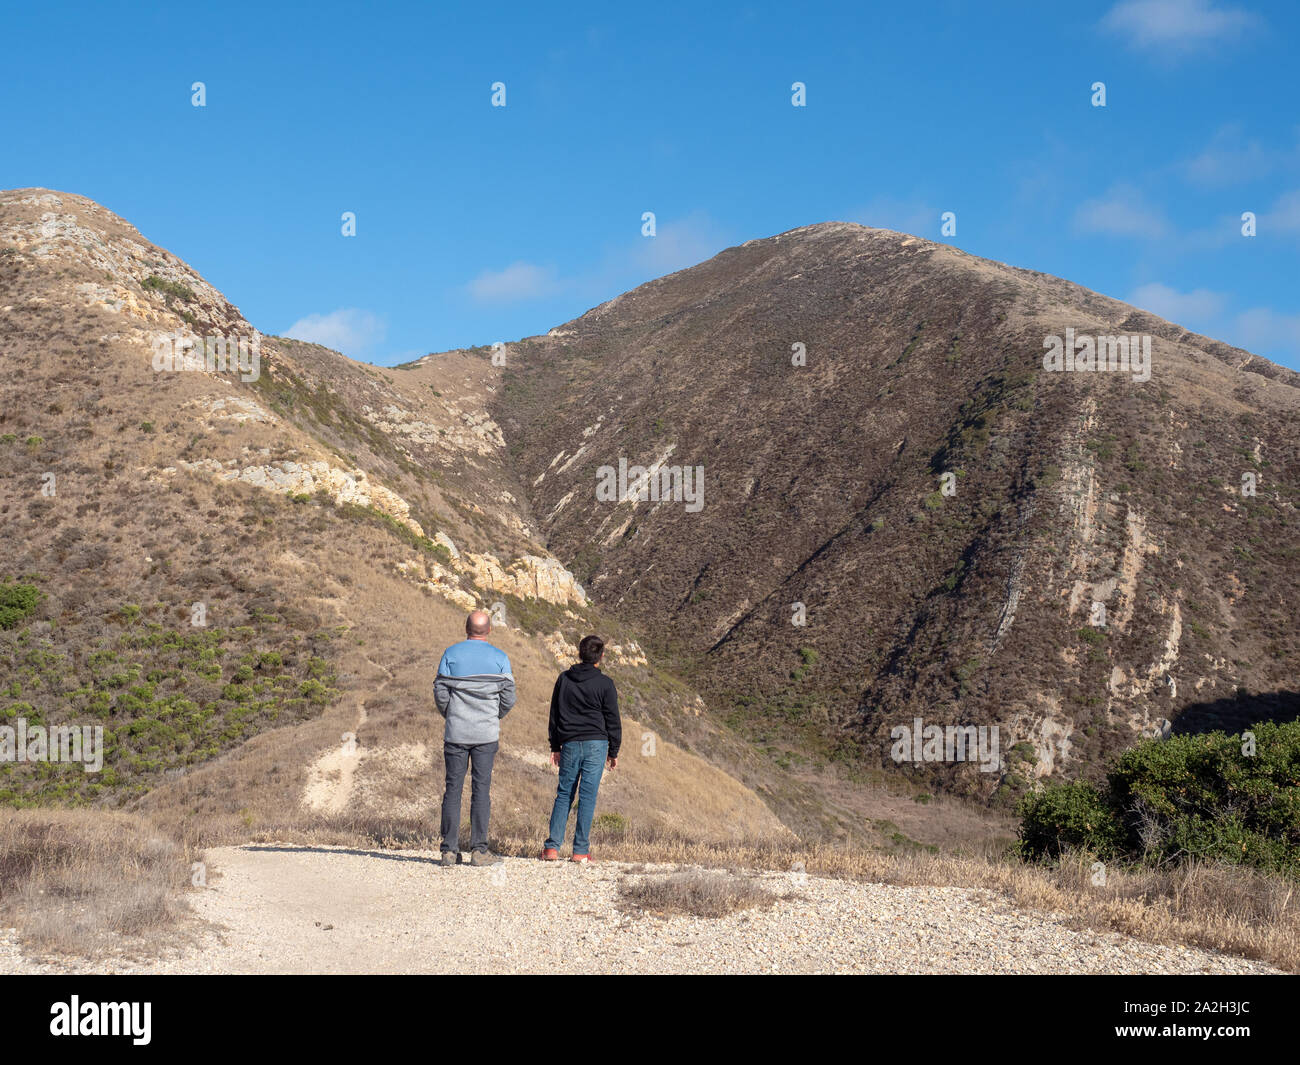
pixel 439 581
pixel 307 478
pixel 528 577
pixel 80 233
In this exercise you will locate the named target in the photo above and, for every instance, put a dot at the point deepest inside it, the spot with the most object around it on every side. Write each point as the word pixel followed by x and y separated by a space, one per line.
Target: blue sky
pixel 478 223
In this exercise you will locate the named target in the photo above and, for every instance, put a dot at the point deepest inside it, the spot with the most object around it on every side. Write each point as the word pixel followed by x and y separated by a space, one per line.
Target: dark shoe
pixel 484 858
pixel 449 858
pixel 550 854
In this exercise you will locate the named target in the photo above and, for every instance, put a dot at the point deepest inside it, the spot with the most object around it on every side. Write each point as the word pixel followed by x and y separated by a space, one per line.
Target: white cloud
pixel 1178 27
pixel 1229 158
pixel 1198 307
pixel 905 216
pixel 676 245
pixel 349 330
pixel 1273 334
pixel 1265 330
pixel 1122 212
pixel 517 283
pixel 1285 215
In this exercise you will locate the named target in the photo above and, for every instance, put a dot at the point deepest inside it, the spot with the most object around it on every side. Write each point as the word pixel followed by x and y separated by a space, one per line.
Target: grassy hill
pixel 905 515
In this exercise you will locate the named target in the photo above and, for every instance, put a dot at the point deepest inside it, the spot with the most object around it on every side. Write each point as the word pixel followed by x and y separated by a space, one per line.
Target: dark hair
pixel 590 650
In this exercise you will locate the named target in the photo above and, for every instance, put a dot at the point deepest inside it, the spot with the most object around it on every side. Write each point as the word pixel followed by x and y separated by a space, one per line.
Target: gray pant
pixel 457 757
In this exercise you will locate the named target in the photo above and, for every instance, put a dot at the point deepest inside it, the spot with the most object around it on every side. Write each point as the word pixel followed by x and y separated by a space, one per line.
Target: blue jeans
pixel 581 764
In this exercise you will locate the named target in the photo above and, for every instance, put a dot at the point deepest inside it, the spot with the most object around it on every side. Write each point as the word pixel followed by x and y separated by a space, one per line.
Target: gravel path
pixel 282 909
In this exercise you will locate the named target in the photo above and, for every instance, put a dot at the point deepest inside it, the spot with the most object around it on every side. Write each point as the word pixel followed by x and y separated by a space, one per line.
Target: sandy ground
pixel 290 909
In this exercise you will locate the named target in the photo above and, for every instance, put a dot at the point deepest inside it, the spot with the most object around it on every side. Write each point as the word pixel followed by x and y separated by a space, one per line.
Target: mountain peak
pixel 876 445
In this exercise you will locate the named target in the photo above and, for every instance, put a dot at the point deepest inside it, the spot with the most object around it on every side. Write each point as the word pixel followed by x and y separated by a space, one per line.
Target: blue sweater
pixel 473 658
pixel 474 689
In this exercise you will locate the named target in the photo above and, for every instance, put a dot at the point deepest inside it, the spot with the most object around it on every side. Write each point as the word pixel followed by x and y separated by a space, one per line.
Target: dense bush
pixel 169 289
pixel 1211 796
pixel 16 602
pixel 1064 816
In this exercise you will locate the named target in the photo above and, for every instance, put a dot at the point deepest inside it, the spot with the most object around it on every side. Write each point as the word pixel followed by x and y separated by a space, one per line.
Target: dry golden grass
pixel 82 882
pixel 698 892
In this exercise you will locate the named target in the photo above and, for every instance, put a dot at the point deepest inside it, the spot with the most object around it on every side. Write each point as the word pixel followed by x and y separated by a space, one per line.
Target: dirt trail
pixel 330 780
pixel 283 909
pixel 332 777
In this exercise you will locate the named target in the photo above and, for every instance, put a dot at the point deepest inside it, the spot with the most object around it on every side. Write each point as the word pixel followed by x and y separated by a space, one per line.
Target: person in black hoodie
pixel 586 733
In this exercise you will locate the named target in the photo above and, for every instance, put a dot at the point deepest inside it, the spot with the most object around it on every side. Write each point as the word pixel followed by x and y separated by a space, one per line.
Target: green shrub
pixel 1200 796
pixel 610 824
pixel 1066 816
pixel 1103 448
pixel 315 692
pixel 954 578
pixel 1187 797
pixel 808 659
pixel 16 602
pixel 169 289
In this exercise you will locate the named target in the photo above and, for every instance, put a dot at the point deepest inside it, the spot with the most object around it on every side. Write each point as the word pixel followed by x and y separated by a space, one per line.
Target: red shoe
pixel 581 859
pixel 550 854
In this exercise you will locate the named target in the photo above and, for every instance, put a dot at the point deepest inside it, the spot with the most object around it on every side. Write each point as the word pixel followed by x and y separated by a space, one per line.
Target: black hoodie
pixel 584 706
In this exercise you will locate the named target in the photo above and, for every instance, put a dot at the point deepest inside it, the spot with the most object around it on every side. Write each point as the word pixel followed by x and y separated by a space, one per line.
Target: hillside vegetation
pixel 245 579
pixel 905 516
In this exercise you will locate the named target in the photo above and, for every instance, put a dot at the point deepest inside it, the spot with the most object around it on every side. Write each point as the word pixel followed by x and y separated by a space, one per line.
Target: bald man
pixel 474 691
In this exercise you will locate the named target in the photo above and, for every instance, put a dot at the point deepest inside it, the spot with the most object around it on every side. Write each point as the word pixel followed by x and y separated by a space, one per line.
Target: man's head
pixel 591 650
pixel 478 625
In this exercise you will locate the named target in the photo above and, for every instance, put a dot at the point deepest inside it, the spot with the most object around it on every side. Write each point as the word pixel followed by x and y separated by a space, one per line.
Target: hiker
pixel 474 691
pixel 585 733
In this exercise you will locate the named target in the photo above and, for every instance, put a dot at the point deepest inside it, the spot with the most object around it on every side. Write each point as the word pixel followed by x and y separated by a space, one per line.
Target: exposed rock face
pixel 238 409
pixel 307 477
pixel 80 233
pixel 564 651
pixel 626 655
pixel 471 432
pixel 446 542
pixel 440 581
pixel 528 577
